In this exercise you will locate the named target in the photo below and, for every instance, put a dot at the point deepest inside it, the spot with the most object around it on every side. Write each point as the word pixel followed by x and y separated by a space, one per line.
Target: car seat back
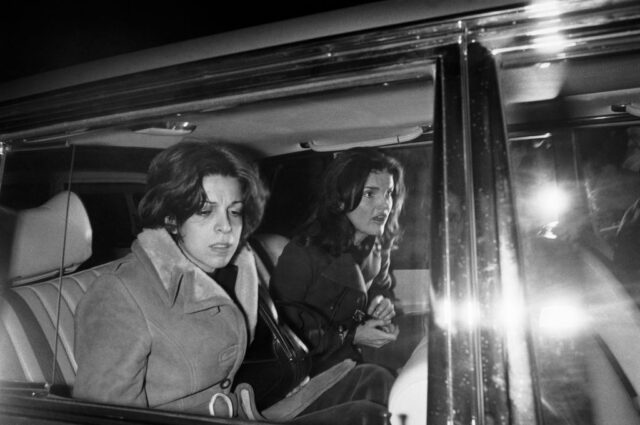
pixel 42 235
pixel 30 348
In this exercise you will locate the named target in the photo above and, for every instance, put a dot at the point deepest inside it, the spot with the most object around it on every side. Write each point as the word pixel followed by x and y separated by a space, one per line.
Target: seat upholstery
pixel 28 310
pixel 39 239
pixel 28 318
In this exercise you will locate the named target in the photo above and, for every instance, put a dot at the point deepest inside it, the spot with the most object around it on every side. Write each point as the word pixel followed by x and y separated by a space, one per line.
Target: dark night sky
pixel 37 36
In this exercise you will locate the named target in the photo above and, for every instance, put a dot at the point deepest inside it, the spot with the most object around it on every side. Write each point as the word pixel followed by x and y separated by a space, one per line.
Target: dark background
pixel 38 36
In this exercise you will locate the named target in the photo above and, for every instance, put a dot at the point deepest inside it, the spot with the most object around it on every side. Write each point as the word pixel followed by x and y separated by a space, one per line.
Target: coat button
pixel 225 384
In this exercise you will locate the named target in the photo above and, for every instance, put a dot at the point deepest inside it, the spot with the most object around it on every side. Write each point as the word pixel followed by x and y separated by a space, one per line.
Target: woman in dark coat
pixel 333 278
pixel 169 326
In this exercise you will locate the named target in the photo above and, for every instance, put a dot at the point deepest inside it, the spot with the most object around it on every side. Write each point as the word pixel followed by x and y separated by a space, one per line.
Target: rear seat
pixel 28 315
pixel 28 312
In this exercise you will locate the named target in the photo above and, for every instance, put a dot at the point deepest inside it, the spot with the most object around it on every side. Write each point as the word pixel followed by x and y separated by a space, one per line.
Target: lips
pixel 380 219
pixel 221 247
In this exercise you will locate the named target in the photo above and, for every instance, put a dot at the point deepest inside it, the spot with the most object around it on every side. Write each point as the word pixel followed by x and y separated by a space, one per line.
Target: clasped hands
pixel 378 330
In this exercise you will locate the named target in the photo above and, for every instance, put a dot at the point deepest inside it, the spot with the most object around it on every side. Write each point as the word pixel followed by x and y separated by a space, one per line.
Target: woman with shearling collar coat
pixel 144 333
pixel 168 327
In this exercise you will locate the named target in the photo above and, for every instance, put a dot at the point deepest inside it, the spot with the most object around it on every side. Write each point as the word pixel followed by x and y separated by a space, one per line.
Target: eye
pixel 204 212
pixel 236 213
pixel 367 194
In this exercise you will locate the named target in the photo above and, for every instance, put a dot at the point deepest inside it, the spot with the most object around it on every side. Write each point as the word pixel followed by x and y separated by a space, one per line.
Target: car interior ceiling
pixel 574 88
pixel 280 126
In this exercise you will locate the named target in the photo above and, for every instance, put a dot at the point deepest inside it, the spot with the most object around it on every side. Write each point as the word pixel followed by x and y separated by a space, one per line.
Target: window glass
pixel 575 181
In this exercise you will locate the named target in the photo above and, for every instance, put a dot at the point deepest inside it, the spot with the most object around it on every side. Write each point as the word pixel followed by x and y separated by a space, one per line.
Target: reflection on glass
pixel 561 318
pixel 551 43
pixel 551 201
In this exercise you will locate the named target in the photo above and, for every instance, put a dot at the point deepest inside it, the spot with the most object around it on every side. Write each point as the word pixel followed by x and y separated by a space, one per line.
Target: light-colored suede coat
pixel 158 332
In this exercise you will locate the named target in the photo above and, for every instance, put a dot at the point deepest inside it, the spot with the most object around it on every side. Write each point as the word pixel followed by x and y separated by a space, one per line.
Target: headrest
pixel 38 239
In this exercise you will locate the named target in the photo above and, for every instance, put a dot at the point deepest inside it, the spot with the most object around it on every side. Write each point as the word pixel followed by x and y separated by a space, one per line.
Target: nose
pixel 222 223
pixel 385 202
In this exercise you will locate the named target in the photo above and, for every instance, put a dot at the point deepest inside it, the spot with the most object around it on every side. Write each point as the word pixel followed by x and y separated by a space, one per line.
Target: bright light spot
pixel 459 315
pixel 471 314
pixel 511 312
pixel 546 9
pixel 551 43
pixel 561 318
pixel 551 202
pixel 444 314
pixel 544 65
pixel 546 29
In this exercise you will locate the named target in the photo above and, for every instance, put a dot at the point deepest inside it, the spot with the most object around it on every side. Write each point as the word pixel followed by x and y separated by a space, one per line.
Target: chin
pixel 218 264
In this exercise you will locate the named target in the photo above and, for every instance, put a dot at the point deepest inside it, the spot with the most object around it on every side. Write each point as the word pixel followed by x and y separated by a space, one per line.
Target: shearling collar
pixel 178 275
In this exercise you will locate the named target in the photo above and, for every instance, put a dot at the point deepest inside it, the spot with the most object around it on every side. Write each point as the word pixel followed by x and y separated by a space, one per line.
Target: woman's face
pixel 371 214
pixel 210 237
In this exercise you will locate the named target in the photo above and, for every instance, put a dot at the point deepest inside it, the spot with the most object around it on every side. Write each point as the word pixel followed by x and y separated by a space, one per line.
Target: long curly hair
pixel 340 192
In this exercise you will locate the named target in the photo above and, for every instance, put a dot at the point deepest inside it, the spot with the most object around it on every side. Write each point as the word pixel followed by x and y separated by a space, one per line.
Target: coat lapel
pixel 346 272
pixel 180 278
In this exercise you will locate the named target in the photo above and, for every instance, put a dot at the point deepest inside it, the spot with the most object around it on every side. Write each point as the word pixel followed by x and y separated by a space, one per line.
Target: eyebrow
pixel 379 187
pixel 215 203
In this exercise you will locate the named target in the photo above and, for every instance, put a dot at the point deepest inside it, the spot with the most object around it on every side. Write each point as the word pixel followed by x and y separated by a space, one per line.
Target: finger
pixel 373 304
pixel 385 309
pixel 382 308
pixel 374 323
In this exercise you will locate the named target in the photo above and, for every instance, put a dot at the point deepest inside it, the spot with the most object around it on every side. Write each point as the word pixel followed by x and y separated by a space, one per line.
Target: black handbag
pixel 277 360
pixel 323 356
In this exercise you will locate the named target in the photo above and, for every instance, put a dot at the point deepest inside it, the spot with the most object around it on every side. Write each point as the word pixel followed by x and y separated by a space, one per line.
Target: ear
pixel 171 225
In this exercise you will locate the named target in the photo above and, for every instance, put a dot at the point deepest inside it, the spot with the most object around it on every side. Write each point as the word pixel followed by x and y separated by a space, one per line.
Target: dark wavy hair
pixel 340 192
pixel 174 184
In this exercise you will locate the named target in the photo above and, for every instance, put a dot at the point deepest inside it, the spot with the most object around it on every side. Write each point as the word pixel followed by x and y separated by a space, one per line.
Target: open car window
pixel 100 175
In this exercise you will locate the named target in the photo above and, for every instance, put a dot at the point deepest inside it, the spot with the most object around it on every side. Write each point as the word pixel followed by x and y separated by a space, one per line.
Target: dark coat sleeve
pixel 293 276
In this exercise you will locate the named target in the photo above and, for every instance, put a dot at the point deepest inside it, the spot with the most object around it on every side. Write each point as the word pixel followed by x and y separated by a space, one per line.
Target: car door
pixel 563 79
